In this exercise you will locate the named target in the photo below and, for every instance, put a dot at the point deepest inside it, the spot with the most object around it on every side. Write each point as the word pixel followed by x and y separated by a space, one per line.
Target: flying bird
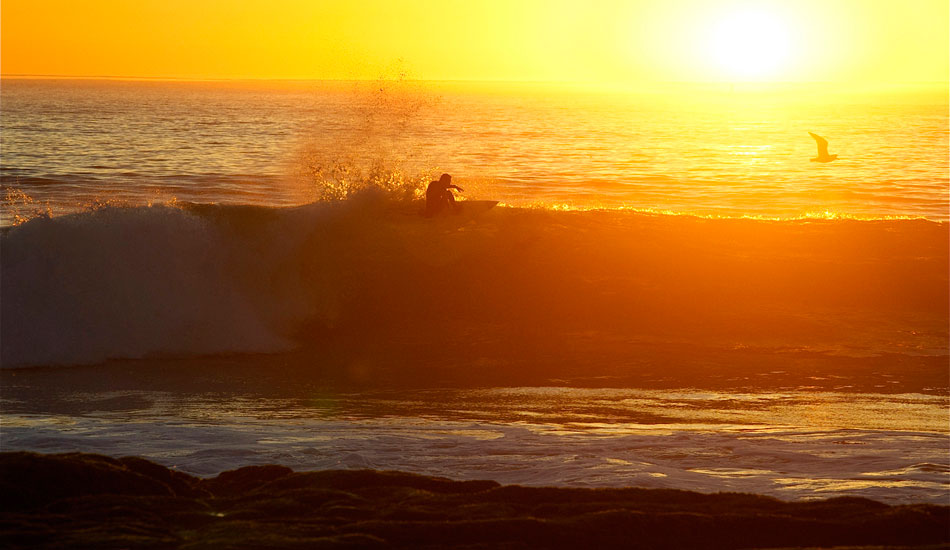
pixel 823 155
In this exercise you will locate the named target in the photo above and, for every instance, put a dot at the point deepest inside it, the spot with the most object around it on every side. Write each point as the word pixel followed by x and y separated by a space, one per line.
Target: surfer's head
pixel 445 178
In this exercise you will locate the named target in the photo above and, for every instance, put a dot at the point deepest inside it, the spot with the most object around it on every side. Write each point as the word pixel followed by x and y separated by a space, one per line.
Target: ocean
pixel 703 150
pixel 669 294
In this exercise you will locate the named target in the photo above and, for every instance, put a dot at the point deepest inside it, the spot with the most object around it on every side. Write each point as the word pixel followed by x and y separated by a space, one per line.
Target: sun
pixel 750 45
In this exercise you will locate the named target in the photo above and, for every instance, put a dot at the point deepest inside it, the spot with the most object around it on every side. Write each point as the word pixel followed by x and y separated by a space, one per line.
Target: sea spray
pixel 374 145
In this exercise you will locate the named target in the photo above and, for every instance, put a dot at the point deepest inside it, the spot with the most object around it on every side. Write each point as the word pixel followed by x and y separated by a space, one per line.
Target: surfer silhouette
pixel 439 197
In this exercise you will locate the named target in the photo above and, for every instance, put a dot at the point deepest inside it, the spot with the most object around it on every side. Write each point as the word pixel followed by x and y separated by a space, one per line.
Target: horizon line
pixel 469 80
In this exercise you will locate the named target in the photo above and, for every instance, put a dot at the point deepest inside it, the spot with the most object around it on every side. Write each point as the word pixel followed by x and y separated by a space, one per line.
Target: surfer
pixel 438 196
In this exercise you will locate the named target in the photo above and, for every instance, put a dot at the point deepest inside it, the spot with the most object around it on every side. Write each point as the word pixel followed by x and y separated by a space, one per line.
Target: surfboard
pixel 474 208
pixel 463 209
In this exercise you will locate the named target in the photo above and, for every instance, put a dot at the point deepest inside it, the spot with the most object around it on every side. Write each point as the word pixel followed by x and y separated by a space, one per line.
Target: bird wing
pixel 822 144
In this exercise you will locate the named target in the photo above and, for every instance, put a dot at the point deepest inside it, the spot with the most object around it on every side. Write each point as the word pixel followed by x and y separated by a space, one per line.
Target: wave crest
pixel 191 279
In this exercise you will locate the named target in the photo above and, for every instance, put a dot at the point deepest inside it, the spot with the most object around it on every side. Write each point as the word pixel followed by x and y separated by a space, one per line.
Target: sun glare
pixel 750 45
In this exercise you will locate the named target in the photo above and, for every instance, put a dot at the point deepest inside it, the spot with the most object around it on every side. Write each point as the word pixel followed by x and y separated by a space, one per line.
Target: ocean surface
pixel 702 150
pixel 669 293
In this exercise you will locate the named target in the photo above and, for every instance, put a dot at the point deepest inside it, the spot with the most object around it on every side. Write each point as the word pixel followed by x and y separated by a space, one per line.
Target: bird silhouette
pixel 823 155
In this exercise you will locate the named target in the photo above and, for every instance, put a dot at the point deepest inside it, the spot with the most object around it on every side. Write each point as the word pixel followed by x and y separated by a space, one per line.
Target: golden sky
pixel 609 41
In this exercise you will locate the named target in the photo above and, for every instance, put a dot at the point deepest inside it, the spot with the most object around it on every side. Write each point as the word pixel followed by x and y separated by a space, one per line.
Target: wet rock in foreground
pixel 91 501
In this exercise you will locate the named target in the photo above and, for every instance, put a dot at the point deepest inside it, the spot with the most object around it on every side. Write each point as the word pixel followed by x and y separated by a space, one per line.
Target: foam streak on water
pixel 792 445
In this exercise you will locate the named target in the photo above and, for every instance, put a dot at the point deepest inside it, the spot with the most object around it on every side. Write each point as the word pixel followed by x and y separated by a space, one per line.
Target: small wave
pixel 46 180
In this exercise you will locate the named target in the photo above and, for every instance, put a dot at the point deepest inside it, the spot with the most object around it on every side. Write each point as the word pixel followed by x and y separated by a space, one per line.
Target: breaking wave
pixel 194 279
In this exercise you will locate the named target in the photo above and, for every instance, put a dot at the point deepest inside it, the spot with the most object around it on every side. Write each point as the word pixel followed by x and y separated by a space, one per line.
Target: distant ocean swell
pixel 187 279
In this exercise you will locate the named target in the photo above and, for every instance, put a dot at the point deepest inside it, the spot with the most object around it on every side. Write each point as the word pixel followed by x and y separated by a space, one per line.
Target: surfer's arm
pixel 455 187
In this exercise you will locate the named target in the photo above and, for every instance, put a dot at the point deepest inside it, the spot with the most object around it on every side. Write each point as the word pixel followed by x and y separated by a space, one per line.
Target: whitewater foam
pixel 125 282
pixel 794 446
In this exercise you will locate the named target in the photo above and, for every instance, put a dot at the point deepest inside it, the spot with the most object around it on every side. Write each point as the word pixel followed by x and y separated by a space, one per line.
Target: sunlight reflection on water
pixel 72 143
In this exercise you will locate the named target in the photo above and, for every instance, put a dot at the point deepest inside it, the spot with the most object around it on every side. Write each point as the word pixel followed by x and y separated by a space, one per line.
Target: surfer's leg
pixel 450 202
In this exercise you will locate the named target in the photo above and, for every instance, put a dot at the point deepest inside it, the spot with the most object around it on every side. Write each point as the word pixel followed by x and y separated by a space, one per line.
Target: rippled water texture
pixel 793 445
pixel 696 150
